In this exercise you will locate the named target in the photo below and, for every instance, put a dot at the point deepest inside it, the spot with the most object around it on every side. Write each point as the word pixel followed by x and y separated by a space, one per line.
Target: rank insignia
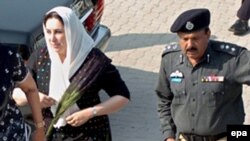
pixel 212 78
pixel 176 76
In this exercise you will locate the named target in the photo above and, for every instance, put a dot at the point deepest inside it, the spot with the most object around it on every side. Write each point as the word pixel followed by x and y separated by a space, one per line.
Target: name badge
pixel 176 76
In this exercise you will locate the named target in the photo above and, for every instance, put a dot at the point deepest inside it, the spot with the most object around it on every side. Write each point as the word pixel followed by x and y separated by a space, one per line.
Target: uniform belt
pixel 193 137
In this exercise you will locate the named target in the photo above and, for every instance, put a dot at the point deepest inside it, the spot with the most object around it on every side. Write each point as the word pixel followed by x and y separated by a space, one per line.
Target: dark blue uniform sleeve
pixel 242 67
pixel 164 103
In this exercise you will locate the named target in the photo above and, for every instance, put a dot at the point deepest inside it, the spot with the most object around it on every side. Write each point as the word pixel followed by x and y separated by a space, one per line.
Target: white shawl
pixel 79 44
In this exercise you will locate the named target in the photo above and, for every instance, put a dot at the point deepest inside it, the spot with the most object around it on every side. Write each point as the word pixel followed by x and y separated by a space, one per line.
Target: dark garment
pixel 203 99
pixel 82 81
pixel 12 71
pixel 244 10
pixel 96 129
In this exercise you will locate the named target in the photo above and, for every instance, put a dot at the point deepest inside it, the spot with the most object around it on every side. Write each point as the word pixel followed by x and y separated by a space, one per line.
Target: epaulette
pixel 227 48
pixel 173 47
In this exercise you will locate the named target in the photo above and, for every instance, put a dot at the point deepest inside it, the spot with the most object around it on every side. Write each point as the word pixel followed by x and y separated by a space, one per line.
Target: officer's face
pixel 194 44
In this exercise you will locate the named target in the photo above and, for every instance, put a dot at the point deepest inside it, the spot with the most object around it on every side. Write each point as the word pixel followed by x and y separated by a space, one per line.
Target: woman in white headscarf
pixel 69 73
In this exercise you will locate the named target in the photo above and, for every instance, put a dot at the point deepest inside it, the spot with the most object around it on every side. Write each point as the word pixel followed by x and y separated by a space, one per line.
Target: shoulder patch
pixel 228 48
pixel 173 47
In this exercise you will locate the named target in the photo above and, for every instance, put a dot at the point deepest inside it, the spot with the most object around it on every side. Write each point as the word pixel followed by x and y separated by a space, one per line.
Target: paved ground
pixel 140 31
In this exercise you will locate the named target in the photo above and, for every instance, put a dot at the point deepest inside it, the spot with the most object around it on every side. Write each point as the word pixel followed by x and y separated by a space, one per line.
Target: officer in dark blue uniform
pixel 200 82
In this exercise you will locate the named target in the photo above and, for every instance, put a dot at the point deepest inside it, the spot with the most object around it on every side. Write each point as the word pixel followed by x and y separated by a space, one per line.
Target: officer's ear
pixel 208 32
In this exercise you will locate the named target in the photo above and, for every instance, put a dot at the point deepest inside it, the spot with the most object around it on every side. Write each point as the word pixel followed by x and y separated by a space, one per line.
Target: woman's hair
pixel 52 15
pixel 24 51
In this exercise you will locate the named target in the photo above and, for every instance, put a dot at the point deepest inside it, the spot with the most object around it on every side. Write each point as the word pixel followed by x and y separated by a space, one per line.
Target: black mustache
pixel 191 49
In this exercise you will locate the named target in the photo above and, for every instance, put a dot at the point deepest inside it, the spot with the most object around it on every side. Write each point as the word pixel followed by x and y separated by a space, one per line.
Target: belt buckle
pixel 208 138
pixel 198 138
pixel 191 138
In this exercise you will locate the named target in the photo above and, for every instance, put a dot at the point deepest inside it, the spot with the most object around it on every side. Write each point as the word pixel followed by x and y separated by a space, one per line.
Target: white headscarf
pixel 79 44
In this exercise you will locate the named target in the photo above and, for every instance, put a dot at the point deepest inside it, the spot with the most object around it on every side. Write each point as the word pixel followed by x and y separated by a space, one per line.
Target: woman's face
pixel 56 36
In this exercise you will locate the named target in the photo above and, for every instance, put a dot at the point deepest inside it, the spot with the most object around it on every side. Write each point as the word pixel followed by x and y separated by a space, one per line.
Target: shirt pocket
pixel 213 93
pixel 178 90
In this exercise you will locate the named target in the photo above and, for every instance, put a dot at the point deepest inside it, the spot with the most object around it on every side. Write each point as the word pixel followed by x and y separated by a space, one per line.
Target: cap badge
pixel 189 26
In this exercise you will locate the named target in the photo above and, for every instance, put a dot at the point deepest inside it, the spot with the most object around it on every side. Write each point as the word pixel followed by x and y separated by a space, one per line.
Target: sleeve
pixel 113 84
pixel 19 69
pixel 242 67
pixel 165 97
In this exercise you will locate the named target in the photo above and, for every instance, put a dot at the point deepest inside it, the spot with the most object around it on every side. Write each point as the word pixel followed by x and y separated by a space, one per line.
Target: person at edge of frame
pixel 240 26
pixel 15 74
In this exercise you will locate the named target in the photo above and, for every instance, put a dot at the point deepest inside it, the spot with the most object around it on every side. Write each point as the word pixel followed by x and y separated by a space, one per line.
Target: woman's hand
pixel 39 135
pixel 46 101
pixel 79 118
pixel 20 98
pixel 112 105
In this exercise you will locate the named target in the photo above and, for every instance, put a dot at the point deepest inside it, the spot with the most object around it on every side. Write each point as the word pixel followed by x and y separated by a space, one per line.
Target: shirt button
pixel 203 92
pixel 193 99
pixel 195 83
pixel 192 115
pixel 193 129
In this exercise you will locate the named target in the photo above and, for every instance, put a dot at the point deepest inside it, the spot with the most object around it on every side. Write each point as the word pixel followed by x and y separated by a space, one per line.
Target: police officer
pixel 200 82
pixel 240 27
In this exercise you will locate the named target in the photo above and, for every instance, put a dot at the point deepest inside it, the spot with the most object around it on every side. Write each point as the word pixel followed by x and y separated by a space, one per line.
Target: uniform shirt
pixel 205 98
pixel 12 70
